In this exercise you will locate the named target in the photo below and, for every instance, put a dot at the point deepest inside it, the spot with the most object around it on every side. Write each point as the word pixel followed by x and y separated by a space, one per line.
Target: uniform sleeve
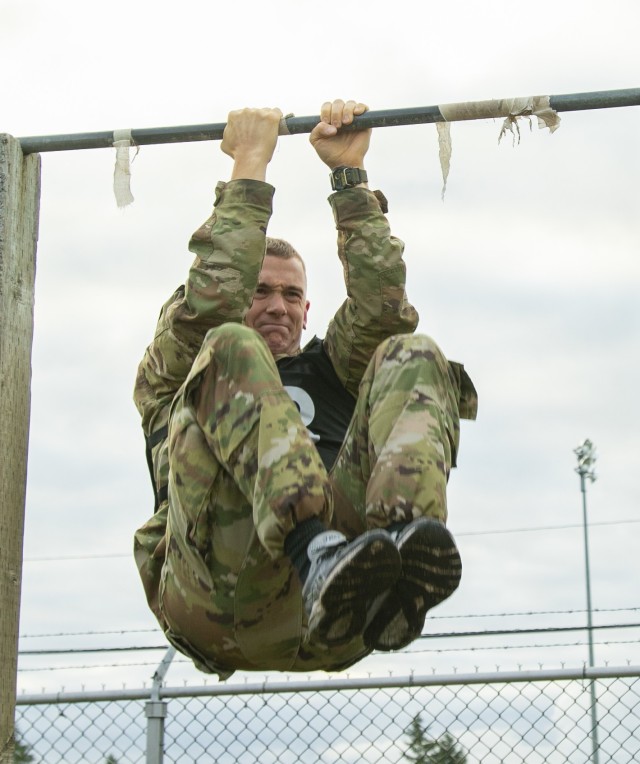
pixel 229 249
pixel 374 272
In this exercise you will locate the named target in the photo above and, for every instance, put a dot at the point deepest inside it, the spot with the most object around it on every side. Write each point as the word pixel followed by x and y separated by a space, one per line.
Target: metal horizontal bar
pixel 605 99
pixel 345 683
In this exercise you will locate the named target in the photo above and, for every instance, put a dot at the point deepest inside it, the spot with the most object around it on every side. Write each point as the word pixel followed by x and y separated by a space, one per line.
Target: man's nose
pixel 276 303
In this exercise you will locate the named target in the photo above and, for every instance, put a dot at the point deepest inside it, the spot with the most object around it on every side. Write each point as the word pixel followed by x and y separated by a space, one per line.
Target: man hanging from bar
pixel 300 493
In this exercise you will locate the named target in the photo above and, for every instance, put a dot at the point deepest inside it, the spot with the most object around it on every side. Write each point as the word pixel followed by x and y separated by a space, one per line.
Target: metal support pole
pixel 604 99
pixel 156 712
pixel 586 454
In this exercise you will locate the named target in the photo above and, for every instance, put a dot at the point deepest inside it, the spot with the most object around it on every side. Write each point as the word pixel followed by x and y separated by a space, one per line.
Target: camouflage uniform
pixel 239 467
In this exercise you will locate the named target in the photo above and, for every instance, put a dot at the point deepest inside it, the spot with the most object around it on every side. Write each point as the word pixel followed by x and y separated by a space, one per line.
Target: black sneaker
pixel 431 571
pixel 344 580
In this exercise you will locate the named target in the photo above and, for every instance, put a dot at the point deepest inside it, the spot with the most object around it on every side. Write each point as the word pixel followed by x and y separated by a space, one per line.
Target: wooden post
pixel 19 207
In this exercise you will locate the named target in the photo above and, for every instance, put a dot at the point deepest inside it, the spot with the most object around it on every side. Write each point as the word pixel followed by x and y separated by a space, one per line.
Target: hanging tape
pixel 122 142
pixel 444 151
pixel 512 109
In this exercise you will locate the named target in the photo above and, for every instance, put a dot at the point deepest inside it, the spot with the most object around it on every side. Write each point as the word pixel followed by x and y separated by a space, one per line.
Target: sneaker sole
pixel 371 567
pixel 431 572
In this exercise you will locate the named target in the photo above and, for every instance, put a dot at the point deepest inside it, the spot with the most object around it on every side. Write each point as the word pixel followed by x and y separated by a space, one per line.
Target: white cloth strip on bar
pixel 122 142
pixel 509 108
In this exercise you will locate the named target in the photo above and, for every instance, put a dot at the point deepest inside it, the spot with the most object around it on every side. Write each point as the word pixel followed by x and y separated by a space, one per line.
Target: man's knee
pixel 231 352
pixel 407 363
pixel 237 348
pixel 404 348
pixel 232 335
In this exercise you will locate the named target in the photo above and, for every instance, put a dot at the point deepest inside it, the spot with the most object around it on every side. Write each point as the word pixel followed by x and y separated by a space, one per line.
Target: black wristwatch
pixel 347 177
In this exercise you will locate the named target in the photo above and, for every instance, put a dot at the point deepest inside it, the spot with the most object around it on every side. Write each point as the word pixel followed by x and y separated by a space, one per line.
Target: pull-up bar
pixel 507 108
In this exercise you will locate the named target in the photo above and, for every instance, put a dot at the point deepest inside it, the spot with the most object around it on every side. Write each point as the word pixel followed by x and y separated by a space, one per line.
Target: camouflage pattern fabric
pixel 239 463
pixel 403 439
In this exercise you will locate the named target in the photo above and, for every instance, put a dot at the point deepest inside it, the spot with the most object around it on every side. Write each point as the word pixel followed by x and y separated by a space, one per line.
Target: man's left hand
pixel 340 148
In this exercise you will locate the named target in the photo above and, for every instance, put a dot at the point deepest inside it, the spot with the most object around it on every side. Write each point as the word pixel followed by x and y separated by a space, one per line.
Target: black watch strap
pixel 347 177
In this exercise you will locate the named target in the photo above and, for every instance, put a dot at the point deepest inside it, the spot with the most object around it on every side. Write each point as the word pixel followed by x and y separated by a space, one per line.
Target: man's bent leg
pixel 225 587
pixel 254 430
pixel 394 468
pixel 403 437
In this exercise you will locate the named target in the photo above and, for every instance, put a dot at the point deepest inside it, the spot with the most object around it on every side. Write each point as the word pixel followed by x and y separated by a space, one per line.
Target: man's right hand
pixel 250 138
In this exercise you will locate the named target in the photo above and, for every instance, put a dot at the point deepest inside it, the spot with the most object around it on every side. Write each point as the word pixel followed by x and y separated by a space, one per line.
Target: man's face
pixel 279 308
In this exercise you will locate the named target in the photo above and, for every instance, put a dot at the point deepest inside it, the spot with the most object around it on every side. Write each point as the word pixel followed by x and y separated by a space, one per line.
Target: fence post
pixel 156 712
pixel 19 206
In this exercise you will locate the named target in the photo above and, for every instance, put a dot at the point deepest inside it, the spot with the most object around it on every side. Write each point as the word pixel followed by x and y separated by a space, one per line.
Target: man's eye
pixel 261 291
pixel 293 296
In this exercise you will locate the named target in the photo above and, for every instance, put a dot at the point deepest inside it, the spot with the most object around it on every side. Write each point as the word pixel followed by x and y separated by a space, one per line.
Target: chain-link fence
pixel 499 718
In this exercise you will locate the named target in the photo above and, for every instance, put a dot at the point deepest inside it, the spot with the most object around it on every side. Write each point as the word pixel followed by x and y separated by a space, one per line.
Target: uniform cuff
pixel 354 204
pixel 245 191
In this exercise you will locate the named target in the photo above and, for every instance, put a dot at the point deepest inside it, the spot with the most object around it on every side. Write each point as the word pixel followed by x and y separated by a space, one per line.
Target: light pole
pixel 586 454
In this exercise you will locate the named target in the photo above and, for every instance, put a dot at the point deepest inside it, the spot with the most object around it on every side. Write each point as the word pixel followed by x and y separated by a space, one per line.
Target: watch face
pixel 338 178
pixel 346 177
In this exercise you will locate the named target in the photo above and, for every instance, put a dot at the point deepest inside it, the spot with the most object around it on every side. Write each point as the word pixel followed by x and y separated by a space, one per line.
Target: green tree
pixel 21 754
pixel 427 750
pixel 111 759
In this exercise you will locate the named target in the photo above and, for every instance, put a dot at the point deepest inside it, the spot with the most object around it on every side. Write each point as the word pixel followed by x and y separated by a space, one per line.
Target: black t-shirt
pixel 325 406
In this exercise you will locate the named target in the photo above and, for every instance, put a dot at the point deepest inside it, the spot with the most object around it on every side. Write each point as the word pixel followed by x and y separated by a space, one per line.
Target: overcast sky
pixel 528 272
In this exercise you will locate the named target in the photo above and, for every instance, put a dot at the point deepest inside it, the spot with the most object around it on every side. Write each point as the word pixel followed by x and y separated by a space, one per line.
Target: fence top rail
pixel 603 99
pixel 308 685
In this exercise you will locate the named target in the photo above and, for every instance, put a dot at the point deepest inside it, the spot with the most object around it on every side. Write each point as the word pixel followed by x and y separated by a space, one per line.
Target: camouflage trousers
pixel 244 471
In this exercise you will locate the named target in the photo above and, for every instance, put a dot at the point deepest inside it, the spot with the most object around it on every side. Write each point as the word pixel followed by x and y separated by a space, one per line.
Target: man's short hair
pixel 284 250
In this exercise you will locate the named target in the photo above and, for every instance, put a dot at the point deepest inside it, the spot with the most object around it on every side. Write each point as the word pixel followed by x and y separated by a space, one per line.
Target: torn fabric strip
pixel 511 109
pixel 122 142
pixel 444 151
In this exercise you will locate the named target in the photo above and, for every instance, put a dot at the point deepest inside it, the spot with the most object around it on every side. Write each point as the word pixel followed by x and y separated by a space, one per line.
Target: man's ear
pixel 304 318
